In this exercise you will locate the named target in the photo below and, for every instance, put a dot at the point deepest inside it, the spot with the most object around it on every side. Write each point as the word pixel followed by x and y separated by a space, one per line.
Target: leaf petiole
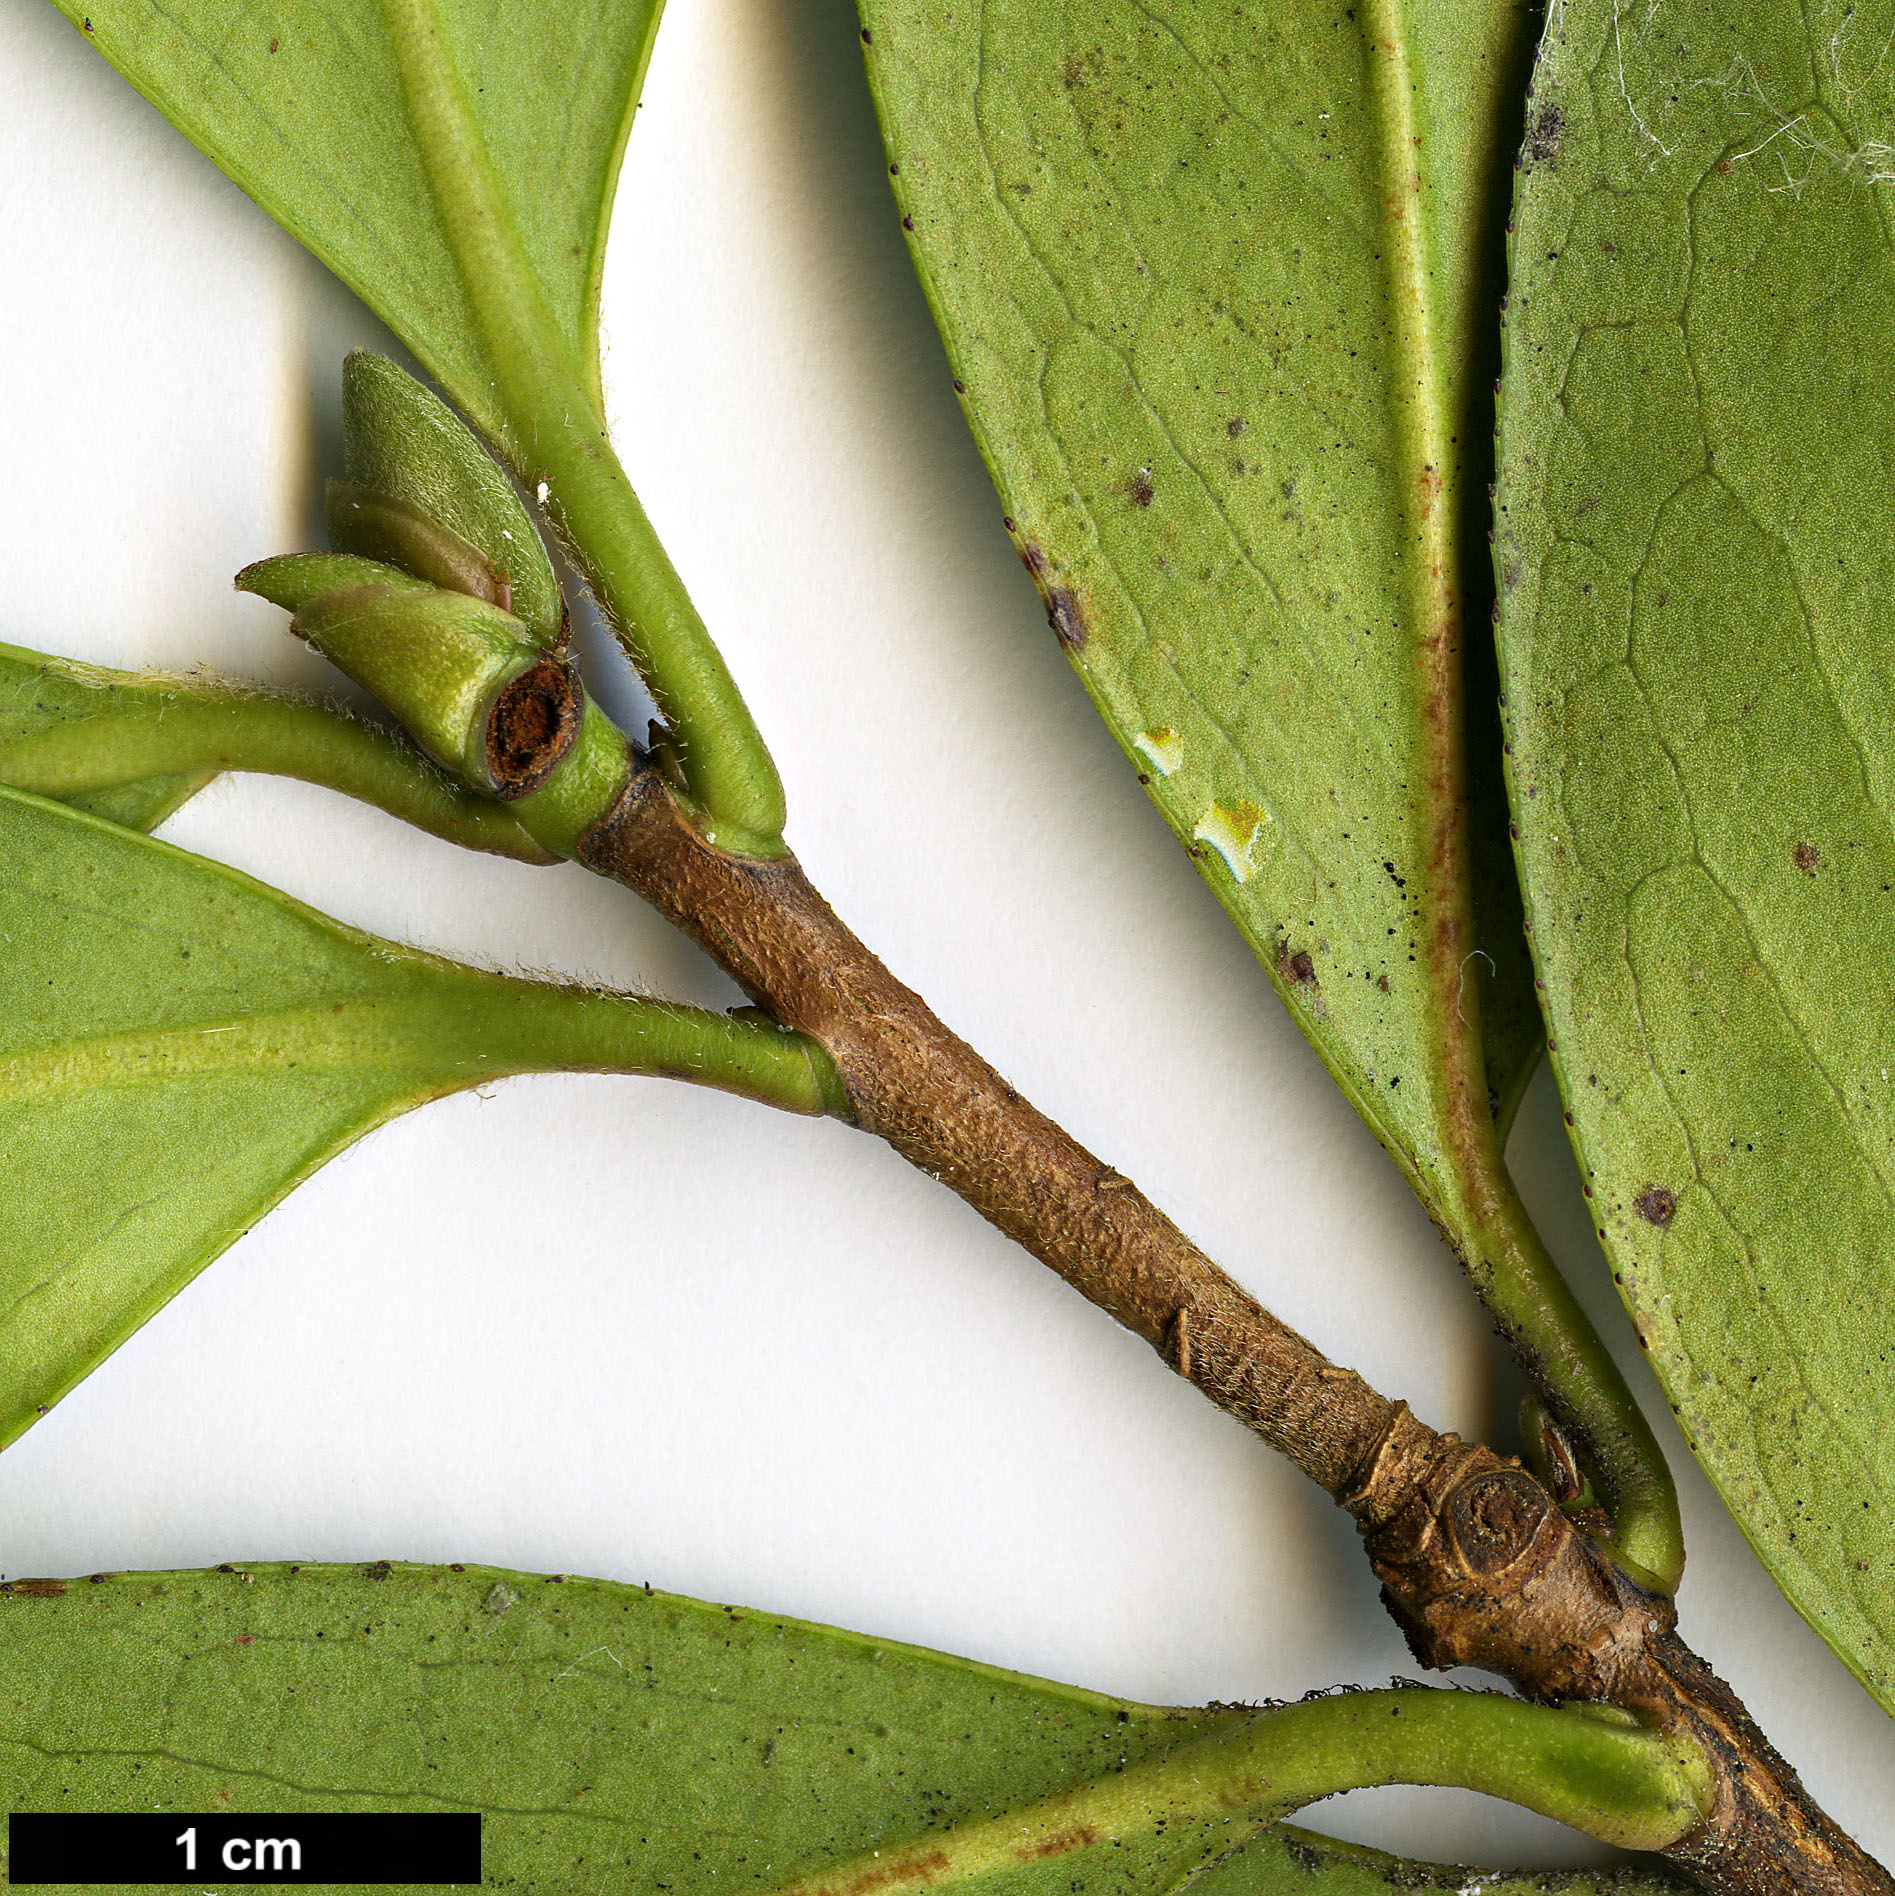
pixel 81 734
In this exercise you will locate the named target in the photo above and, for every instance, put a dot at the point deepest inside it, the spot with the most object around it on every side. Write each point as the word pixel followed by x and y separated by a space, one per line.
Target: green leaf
pixel 180 1046
pixel 1698 583
pixel 305 107
pixel 40 694
pixel 614 1739
pixel 1194 356
pixel 1216 284
pixel 141 805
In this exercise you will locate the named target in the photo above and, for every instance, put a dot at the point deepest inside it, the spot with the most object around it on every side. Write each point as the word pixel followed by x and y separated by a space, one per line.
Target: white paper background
pixel 623 1329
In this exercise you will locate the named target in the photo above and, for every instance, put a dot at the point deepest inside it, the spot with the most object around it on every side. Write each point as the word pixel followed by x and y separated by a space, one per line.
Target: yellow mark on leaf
pixel 1163 749
pixel 1232 830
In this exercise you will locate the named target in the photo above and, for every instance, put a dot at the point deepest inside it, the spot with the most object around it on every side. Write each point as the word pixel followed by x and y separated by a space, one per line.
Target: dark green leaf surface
pixel 1221 334
pixel 1697 563
pixel 180 1046
pixel 615 1740
pixel 303 104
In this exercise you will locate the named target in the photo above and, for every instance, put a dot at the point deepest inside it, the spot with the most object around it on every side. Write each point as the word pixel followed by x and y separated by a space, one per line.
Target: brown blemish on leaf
pixel 1063 612
pixel 1656 1205
pixel 532 726
pixel 1296 966
pixel 1139 490
pixel 34 1589
pixel 1807 856
pixel 916 1867
pixel 1235 426
pixel 1079 1837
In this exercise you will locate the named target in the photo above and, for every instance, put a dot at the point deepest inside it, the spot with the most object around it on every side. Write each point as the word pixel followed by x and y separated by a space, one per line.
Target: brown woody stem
pixel 1478 1564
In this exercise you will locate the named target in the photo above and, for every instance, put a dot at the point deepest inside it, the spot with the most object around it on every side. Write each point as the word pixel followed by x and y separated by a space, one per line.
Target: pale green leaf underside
pixel 302 105
pixel 1156 242
pixel 180 1046
pixel 1697 556
pixel 614 1740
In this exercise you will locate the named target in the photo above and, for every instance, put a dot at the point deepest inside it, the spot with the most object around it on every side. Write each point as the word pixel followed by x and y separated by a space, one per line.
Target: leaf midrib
pixel 521 344
pixel 363 1036
pixel 1426 481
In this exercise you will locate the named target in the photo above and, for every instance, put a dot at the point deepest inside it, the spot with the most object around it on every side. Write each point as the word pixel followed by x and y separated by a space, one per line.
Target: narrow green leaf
pixel 1698 583
pixel 614 1740
pixel 1216 284
pixel 180 1046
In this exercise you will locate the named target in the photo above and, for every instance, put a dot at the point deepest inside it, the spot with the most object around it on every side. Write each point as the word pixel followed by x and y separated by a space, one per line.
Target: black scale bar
pixel 297 1847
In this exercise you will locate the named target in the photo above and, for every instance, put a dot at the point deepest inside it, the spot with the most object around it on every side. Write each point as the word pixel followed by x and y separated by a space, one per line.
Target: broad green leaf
pixel 1219 331
pixel 180 1046
pixel 614 1739
pixel 304 106
pixel 1217 283
pixel 1697 560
